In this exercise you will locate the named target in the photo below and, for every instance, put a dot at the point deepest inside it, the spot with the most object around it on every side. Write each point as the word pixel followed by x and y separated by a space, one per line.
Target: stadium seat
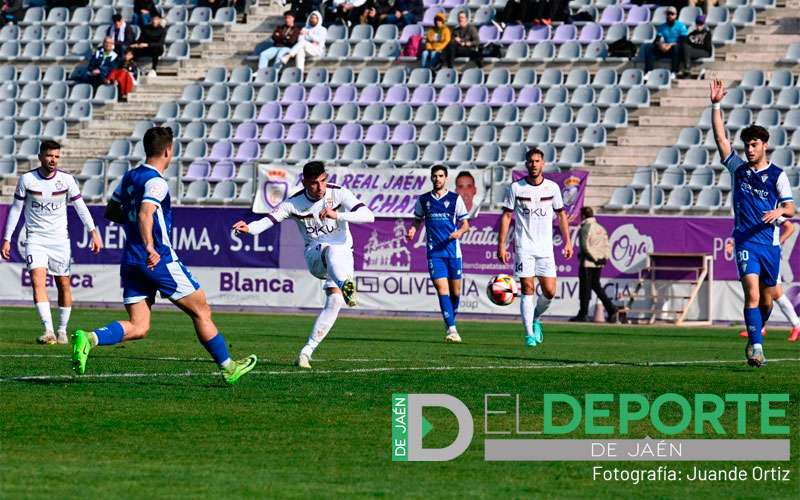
pixel 709 198
pixel 621 199
pixel 680 198
pixel 650 198
pixel 196 192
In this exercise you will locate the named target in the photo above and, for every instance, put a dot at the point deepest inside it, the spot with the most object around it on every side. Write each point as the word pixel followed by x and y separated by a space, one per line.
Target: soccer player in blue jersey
pixel 761 195
pixel 141 203
pixel 446 220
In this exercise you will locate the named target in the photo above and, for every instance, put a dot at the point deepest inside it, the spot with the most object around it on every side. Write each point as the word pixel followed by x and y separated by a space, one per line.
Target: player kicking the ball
pixel 533 201
pixel 141 203
pixel 761 196
pixel 446 220
pixel 322 212
pixel 43 194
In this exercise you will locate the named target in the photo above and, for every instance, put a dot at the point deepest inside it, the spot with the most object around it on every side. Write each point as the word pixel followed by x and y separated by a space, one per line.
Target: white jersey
pixel 533 207
pixel 305 212
pixel 45 201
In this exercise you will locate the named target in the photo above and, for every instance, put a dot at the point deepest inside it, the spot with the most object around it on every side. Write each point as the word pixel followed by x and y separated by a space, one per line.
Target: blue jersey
pixel 756 192
pixel 442 217
pixel 144 184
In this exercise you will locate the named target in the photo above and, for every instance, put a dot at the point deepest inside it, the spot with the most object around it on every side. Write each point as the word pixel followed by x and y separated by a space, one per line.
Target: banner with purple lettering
pixel 387 192
pixel 573 189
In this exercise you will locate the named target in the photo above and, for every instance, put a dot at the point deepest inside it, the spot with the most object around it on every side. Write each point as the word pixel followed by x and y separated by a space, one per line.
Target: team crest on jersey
pixel 275 192
pixel 764 177
pixel 446 204
pixel 60 185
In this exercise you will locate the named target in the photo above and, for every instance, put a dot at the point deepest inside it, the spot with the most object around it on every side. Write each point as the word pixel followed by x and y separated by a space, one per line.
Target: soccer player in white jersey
pixel 43 194
pixel 533 201
pixel 323 212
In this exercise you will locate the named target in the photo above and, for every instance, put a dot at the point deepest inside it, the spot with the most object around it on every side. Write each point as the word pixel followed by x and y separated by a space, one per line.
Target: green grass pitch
pixel 153 419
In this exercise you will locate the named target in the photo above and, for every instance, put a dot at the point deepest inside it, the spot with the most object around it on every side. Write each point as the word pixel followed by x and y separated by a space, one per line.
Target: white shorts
pixel 56 257
pixel 342 254
pixel 529 266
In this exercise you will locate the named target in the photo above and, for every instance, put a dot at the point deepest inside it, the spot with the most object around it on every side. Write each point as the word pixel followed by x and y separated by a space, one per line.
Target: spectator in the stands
pixel 283 39
pixel 697 45
pixel 122 34
pixel 214 5
pixel 514 12
pixel 667 43
pixel 151 42
pixel 143 11
pixel 311 42
pixel 547 11
pixel 13 11
pixel 707 4
pixel 405 12
pixel 126 76
pixel 464 43
pixel 102 62
pixel 436 41
pixel 304 8
pixel 346 12
pixel 376 11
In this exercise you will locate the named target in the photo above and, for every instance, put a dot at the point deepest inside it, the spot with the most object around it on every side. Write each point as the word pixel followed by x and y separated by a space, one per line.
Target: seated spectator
pixel 283 39
pixel 405 12
pixel 707 4
pixel 547 11
pixel 375 12
pixel 142 11
pixel 126 76
pixel 436 41
pixel 697 45
pixel 464 43
pixel 12 11
pixel 151 41
pixel 304 8
pixel 121 33
pixel 346 12
pixel 102 62
pixel 667 44
pixel 311 42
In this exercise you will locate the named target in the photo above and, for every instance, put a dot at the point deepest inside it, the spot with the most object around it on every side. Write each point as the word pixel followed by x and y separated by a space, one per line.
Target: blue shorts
pixel 444 267
pixel 763 260
pixel 172 279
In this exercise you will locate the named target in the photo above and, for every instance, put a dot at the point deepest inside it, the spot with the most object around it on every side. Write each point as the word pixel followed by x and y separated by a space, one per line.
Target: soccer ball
pixel 502 289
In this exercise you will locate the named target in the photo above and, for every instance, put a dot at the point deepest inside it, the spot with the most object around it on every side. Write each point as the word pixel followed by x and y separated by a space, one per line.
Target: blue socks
pixel 455 300
pixel 218 349
pixel 446 305
pixel 765 313
pixel 752 318
pixel 110 334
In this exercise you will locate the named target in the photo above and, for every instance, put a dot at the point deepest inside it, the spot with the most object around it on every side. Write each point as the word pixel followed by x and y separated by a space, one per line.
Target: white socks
pixel 526 308
pixel 324 322
pixel 63 318
pixel 44 314
pixel 788 310
pixel 339 259
pixel 541 306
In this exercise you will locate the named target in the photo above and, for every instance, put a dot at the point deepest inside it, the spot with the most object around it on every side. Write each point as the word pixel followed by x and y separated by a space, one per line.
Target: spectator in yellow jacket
pixel 436 41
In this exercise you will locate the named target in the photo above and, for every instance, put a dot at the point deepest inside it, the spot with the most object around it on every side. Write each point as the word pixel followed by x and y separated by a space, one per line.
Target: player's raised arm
pixel 280 214
pixel 717 124
pixel 358 212
pixel 13 218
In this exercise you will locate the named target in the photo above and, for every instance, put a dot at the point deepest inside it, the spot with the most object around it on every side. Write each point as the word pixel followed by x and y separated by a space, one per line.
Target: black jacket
pixel 153 37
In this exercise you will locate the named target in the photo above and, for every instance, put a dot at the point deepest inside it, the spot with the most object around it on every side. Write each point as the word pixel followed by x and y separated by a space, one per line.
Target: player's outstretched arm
pixel 261 225
pixel 717 124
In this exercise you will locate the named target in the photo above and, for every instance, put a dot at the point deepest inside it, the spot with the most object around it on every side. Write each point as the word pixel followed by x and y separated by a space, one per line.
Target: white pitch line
pixel 384 369
pixel 171 358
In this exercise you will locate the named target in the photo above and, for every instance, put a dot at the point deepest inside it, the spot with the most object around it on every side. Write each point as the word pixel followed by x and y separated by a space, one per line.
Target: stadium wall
pixel 269 271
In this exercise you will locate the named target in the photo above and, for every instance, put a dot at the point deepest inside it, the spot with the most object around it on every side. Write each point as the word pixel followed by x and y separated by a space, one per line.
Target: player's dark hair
pixel 754 132
pixel 313 169
pixel 156 140
pixel 587 212
pixel 437 168
pixel 533 151
pixel 46 146
pixel 465 173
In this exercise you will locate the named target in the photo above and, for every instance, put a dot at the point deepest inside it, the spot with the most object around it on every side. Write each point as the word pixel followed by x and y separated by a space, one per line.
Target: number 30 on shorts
pixel 742 255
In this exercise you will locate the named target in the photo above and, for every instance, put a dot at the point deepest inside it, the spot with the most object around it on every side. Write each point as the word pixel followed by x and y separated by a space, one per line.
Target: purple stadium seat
pixel 319 93
pixel 351 132
pixel 565 33
pixel 638 15
pixel 396 94
pixel 269 112
pixel 513 33
pixel 591 32
pixel 451 4
pixel 612 14
pixel 423 95
pixel 476 94
pixel 370 95
pixel 504 94
pixel 199 169
pixel 250 150
pixel 223 150
pixel 431 3
pixel 377 132
pixel 296 112
pixel 246 131
pixel 297 132
pixel 293 93
pixel 403 133
pixel 430 13
pixel 529 94
pixel 324 132
pixel 488 33
pixel 409 31
pixel 539 34
pixel 223 171
pixel 448 95
pixel 272 131
pixel 344 94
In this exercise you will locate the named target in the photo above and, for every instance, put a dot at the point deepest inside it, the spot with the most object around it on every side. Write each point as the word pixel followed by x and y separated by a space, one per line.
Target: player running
pixel 323 212
pixel 141 203
pixel 446 220
pixel 43 194
pixel 533 200
pixel 761 195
